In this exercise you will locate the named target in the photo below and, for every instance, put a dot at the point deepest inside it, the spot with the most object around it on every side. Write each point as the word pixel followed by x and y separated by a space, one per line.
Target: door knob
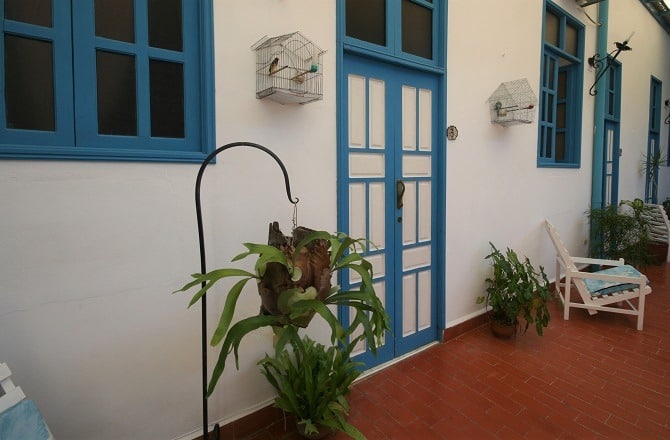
pixel 400 192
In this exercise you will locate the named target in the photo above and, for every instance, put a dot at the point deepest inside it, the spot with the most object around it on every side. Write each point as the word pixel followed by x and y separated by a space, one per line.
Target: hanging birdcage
pixel 289 69
pixel 513 103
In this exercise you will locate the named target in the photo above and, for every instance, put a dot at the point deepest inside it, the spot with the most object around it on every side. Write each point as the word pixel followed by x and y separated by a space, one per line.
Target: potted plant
pixel 650 165
pixel 516 289
pixel 618 234
pixel 293 276
pixel 312 383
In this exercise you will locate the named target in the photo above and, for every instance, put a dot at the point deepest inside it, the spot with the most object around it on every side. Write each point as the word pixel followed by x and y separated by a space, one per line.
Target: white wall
pixel 495 191
pixel 651 46
pixel 91 251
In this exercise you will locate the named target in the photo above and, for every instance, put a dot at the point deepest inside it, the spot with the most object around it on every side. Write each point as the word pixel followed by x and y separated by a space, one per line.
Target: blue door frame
pixel 653 142
pixel 396 277
pixel 611 151
pixel 392 57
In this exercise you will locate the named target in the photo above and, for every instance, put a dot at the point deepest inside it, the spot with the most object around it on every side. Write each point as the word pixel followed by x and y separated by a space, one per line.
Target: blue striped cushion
pixel 23 421
pixel 599 287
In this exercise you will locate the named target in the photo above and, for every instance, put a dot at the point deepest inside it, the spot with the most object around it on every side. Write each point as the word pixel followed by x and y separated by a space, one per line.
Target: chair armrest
pixel 606 277
pixel 584 260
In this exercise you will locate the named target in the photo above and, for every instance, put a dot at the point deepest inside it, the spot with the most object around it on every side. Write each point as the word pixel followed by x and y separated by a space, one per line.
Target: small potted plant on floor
pixel 515 289
pixel 618 233
pixel 312 383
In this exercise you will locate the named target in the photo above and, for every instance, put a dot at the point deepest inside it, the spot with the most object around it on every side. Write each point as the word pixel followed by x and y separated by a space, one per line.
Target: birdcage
pixel 513 103
pixel 289 69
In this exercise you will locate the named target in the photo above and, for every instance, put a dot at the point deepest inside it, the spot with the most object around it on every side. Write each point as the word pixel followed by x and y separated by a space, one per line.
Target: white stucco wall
pixel 495 192
pixel 649 57
pixel 91 251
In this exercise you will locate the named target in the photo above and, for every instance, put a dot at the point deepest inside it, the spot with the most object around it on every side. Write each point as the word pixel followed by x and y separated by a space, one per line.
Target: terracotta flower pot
pixel 503 330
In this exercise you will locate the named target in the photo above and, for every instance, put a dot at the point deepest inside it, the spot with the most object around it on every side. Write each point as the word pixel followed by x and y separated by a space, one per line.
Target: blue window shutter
pixel 79 86
pixel 58 36
pixel 559 140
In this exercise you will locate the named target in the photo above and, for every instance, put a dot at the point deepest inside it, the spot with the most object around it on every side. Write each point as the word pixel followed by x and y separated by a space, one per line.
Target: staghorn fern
pixel 296 305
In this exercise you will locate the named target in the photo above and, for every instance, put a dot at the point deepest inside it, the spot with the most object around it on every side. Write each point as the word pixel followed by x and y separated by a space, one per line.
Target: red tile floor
pixel 592 377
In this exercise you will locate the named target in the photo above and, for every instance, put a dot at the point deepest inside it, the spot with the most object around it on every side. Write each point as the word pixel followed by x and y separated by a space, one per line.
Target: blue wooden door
pixel 653 143
pixel 612 148
pixel 387 192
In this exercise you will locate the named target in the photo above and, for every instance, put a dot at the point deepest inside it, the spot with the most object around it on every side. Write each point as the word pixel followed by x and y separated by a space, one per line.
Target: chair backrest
pixel 659 226
pixel 10 394
pixel 561 250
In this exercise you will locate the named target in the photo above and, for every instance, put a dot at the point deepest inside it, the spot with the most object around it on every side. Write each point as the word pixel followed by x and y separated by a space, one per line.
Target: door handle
pixel 400 192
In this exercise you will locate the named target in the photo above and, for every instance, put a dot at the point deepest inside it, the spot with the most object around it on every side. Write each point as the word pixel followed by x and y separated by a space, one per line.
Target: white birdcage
pixel 289 69
pixel 513 103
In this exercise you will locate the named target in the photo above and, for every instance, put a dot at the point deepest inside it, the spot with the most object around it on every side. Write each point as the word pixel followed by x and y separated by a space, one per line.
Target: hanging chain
pixel 295 215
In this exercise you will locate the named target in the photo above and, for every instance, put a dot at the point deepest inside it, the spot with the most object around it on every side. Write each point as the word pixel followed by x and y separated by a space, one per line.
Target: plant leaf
pixel 303 306
pixel 228 311
pixel 208 280
pixel 232 341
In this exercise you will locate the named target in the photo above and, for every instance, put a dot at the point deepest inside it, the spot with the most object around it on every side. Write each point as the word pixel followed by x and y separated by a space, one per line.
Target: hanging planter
pixel 304 274
pixel 294 283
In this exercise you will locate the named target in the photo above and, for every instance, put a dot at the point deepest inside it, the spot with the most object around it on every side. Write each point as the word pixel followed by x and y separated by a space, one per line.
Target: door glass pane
pixel 117 102
pixel 571 39
pixel 549 73
pixel 167 99
pixel 366 20
pixel 551 28
pixel 29 84
pixel 560 147
pixel 417 29
pixel 165 24
pixel 610 104
pixel 560 115
pixel 550 108
pixel 29 11
pixel 115 19
pixel 562 84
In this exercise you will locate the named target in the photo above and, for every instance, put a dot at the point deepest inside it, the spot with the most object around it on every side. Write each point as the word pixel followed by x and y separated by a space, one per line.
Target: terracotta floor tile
pixel 592 377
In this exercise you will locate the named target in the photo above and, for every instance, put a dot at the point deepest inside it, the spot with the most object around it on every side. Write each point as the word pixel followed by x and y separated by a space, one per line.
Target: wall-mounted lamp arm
pixel 598 61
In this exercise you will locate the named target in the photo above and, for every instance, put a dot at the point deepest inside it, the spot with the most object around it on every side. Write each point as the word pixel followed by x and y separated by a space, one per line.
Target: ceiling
pixel 659 9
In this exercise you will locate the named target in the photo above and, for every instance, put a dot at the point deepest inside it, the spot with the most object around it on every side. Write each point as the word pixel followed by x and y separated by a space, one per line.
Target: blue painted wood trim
pixel 343 44
pixel 199 99
pixel 597 175
pixel 59 37
pixel 440 168
pixel 576 77
pixel 207 75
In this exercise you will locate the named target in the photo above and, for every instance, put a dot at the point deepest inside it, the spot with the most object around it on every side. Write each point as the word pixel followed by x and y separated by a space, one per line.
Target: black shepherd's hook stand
pixel 203 265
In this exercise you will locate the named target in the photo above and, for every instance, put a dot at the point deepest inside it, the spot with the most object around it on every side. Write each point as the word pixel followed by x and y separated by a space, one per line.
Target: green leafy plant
pixel 294 284
pixel 312 382
pixel 616 234
pixel 517 289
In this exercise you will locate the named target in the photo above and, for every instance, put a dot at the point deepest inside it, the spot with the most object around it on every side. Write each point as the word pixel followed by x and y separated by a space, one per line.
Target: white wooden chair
pixel 19 417
pixel 605 290
pixel 659 226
